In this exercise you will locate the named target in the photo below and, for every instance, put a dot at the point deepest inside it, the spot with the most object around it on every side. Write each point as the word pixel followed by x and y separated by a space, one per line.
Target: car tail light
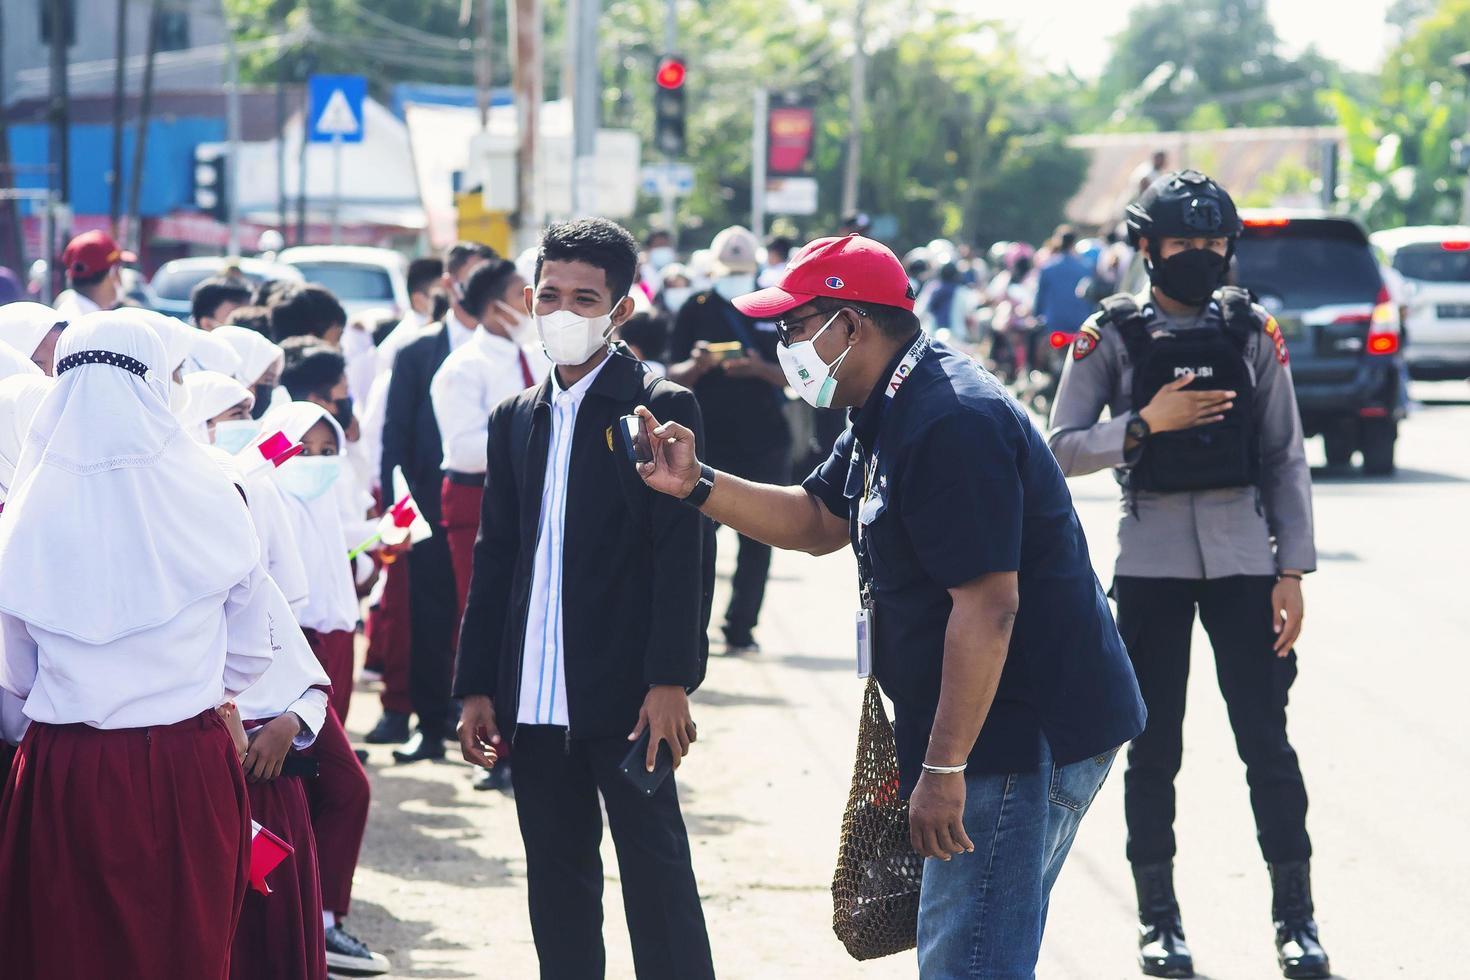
pixel 1267 222
pixel 1455 246
pixel 1060 339
pixel 1383 329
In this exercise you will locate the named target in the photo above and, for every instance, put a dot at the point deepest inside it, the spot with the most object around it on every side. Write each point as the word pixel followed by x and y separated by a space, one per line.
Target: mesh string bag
pixel 875 889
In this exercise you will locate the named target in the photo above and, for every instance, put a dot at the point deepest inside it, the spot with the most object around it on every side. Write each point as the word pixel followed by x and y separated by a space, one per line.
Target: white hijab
pixel 332 602
pixel 116 520
pixel 255 351
pixel 210 353
pixel 13 363
pixel 20 396
pixel 209 394
pixel 24 325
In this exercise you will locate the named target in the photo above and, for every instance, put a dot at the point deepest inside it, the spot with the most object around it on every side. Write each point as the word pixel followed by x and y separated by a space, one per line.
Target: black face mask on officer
pixel 1191 276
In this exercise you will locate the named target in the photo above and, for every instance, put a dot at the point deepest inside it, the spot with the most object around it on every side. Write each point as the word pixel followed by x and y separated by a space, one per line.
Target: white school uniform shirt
pixel 71 305
pixel 398 338
pixel 467 387
pixel 543 699
pixel 213 650
pixel 295 681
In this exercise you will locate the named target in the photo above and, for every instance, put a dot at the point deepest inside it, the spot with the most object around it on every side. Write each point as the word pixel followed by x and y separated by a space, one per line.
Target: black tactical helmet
pixel 1182 204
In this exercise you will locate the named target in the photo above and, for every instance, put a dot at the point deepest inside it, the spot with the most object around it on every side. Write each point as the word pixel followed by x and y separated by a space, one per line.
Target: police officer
pixel 1206 441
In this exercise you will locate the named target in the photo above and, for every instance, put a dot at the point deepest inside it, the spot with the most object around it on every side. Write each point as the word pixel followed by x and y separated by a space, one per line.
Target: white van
pixel 1434 262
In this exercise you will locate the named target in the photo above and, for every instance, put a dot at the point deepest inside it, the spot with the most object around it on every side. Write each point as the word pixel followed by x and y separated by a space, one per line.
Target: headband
pixel 101 357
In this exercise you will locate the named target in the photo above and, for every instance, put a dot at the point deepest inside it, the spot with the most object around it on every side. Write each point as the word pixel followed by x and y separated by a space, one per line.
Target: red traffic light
pixel 671 72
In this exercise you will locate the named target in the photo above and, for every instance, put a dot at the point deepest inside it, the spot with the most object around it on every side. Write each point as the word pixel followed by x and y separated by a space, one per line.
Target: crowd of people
pixel 508 502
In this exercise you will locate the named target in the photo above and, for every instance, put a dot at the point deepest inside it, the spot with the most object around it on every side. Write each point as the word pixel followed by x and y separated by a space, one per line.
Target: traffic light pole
pixel 232 135
pixel 666 188
pixel 759 131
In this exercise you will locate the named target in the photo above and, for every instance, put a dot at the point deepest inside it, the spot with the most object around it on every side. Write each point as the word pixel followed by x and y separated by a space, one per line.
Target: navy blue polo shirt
pixel 964 486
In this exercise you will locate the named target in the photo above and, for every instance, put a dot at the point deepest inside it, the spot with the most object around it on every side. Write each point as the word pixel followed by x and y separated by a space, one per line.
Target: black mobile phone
pixel 635 765
pixel 635 440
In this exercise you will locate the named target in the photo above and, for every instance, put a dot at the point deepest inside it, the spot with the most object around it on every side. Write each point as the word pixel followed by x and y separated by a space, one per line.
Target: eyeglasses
pixel 784 327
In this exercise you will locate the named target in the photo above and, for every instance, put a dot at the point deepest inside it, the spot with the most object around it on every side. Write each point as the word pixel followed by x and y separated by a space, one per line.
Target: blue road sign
pixel 334 107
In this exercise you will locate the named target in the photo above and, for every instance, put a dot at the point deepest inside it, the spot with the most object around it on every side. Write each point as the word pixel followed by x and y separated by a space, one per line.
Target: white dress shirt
pixel 467 387
pixel 398 338
pixel 543 668
pixel 72 305
pixel 459 333
pixel 213 650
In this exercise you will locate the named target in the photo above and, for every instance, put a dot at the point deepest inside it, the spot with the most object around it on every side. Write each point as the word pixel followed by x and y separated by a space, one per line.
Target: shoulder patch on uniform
pixel 1273 330
pixel 1085 344
pixel 1092 329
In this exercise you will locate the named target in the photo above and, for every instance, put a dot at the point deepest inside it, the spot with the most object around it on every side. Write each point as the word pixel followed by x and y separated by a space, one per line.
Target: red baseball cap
pixel 852 268
pixel 92 252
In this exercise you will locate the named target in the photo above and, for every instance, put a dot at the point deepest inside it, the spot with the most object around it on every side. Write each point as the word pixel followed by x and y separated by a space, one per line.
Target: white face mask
pixel 811 377
pixel 308 477
pixel 520 327
pixel 234 435
pixel 675 297
pixel 660 257
pixel 571 339
pixel 731 286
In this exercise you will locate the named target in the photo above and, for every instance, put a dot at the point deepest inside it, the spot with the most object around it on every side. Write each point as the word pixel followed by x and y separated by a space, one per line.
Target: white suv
pixel 1434 262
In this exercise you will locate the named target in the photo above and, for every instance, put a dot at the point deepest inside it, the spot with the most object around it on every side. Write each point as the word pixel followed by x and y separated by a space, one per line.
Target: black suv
pixel 1316 273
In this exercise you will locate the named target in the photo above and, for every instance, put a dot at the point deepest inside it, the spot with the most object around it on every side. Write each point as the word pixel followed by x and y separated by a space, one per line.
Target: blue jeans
pixel 981 915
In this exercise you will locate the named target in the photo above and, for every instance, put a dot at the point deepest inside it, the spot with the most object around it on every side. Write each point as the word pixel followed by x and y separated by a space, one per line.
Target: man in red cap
pixel 93 263
pixel 979 613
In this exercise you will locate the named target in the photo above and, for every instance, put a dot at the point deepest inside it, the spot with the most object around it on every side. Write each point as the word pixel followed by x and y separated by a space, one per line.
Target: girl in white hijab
pixel 20 396
pixel 32 329
pixel 260 362
pixel 132 604
pixel 217 411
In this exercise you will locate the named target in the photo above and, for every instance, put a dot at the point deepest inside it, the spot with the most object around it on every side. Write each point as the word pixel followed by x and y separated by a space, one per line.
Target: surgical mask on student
pixel 660 257
pixel 675 297
pixel 731 286
pixel 520 327
pixel 571 339
pixel 308 477
pixel 234 435
pixel 342 411
pixel 811 377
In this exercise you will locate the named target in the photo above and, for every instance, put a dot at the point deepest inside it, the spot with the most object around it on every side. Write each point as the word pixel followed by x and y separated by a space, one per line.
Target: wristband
pixel 703 488
pixel 945 770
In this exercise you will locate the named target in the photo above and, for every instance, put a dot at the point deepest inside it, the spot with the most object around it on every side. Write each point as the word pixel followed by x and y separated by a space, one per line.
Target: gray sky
pixel 1067 32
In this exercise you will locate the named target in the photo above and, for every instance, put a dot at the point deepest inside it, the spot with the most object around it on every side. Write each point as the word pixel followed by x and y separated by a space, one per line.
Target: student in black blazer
pixel 411 440
pixel 585 624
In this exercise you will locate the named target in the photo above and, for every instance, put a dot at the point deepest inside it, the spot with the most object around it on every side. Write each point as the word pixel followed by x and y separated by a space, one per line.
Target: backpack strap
pixel 1238 314
pixel 1122 312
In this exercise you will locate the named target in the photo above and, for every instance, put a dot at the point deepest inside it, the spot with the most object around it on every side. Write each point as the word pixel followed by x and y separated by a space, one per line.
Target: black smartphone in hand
pixel 634 766
pixel 635 440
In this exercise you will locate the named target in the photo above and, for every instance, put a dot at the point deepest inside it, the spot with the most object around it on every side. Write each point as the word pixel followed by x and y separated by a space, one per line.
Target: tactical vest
pixel 1207 457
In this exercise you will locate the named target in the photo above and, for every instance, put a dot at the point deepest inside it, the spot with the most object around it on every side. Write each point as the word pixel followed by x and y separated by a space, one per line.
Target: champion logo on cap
pixel 834 283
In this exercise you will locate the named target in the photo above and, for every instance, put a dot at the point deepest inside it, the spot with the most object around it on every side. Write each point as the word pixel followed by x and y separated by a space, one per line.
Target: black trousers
pixel 431 622
pixel 753 560
pixel 556 783
pixel 1155 618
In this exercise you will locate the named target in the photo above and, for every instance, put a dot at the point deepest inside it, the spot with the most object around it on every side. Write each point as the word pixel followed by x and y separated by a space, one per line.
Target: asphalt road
pixel 1376 715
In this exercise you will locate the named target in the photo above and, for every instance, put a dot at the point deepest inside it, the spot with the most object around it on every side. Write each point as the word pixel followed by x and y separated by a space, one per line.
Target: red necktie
pixel 527 377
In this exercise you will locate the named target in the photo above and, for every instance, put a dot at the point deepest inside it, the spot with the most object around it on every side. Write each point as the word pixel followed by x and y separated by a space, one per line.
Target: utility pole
pixel 140 142
pixel 12 246
pixel 60 154
pixel 284 223
pixel 759 133
pixel 1462 62
pixel 856 110
pixel 232 135
pixel 482 62
pixel 119 98
pixel 529 83
pixel 586 108
pixel 666 191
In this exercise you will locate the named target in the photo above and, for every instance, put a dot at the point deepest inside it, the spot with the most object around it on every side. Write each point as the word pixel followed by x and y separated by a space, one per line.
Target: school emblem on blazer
pixel 609 439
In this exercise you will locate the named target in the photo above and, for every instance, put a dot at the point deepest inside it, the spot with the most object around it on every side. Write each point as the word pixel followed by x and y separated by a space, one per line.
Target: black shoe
pixel 1162 951
pixel 494 779
pixel 350 955
pixel 1298 951
pixel 738 644
pixel 361 754
pixel 391 729
pixel 420 747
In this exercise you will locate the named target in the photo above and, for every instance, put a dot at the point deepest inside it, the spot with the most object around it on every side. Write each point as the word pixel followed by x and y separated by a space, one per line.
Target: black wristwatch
pixel 703 488
pixel 1138 429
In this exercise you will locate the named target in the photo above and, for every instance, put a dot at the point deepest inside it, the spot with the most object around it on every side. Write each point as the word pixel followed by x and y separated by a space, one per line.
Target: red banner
pixel 789 138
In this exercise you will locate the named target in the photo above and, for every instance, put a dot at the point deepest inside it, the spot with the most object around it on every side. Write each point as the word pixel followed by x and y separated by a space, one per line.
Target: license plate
pixel 1453 311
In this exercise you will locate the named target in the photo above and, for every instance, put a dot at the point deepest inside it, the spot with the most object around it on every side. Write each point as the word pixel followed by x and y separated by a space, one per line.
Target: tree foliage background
pixel 964 133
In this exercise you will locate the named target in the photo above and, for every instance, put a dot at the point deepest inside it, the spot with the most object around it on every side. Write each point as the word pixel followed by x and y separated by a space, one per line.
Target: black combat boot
pixel 1297 949
pixel 1161 948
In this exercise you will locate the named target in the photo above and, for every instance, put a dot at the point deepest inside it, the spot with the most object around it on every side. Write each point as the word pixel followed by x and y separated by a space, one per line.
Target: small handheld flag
pixel 404 521
pixel 266 852
pixel 274 450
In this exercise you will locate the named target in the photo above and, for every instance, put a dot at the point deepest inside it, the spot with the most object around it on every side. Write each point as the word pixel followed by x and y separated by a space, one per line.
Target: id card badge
pixel 864 642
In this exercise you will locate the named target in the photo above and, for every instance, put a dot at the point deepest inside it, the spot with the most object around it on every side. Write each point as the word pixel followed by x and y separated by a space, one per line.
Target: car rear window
pixel 1314 265
pixel 180 284
pixel 1433 263
pixel 349 282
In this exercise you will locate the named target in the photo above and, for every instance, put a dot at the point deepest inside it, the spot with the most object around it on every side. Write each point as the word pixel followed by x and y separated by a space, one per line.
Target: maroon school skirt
pixel 280 934
pixel 336 652
pixel 124 853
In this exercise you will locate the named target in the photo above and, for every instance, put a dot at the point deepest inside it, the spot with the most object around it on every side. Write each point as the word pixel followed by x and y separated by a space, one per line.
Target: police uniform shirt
pixel 964 486
pixel 1201 534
